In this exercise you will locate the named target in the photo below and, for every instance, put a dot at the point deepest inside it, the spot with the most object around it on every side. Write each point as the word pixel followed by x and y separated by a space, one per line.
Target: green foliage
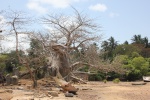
pixel 112 75
pixel 9 60
pixel 108 48
pixel 134 75
pixel 136 68
pixel 148 59
pixel 22 68
pixel 148 74
pixel 97 77
pixel 2 61
pixel 3 57
pixel 105 81
pixel 141 64
pixel 84 69
pixel 35 48
pixel 137 39
pixel 10 63
pixel 125 49
pixel 126 43
pixel 122 59
pixel 116 80
pixel 13 54
pixel 135 54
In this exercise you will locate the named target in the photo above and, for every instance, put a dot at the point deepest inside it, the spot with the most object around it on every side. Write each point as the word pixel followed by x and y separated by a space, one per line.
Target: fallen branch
pixel 78 80
pixel 67 87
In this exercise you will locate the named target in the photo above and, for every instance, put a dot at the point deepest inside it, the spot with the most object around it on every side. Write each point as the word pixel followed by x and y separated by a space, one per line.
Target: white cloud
pixel 57 3
pixel 33 5
pixel 9 43
pixel 112 15
pixel 42 6
pixel 98 7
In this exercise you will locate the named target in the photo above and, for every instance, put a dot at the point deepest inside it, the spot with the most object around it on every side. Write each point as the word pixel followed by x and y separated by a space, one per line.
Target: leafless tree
pixel 72 34
pixel 17 20
pixel 68 34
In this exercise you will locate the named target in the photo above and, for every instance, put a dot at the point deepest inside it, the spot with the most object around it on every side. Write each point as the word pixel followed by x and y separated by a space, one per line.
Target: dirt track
pixel 90 91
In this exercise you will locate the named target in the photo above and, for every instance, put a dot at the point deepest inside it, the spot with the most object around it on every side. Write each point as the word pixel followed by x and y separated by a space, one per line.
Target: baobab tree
pixel 73 34
pixel 68 34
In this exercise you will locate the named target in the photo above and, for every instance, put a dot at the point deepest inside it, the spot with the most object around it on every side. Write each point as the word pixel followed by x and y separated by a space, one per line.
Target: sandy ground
pixel 90 91
pixel 111 91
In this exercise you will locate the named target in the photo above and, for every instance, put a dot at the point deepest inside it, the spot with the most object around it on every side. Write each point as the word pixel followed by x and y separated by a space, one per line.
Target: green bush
pixel 116 80
pixel 136 68
pixel 97 77
pixel 105 81
pixel 148 74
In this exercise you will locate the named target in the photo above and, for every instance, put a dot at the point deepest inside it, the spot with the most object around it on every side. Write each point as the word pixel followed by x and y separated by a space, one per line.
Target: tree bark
pixel 32 76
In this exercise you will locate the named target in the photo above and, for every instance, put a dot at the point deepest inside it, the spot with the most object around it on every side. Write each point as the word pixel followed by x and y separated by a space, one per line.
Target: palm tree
pixel 145 40
pixel 108 47
pixel 134 39
pixel 137 39
pixel 126 42
pixel 104 45
pixel 112 43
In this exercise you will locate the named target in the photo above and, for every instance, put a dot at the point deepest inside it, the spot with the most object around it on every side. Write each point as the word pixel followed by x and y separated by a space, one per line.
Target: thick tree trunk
pixel 64 68
pixel 60 67
pixel 60 61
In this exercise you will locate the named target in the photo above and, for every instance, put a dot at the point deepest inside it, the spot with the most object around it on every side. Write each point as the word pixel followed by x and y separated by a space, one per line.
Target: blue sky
pixel 118 18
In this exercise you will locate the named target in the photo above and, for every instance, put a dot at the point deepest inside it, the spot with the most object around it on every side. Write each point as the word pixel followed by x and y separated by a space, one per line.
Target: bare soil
pixel 112 91
pixel 89 91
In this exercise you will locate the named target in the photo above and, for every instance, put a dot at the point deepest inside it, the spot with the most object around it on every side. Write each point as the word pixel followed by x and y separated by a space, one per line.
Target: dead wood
pixel 66 86
pixel 78 80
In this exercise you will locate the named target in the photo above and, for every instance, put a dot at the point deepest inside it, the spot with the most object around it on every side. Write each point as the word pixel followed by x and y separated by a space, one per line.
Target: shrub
pixel 105 81
pixel 97 77
pixel 148 74
pixel 116 80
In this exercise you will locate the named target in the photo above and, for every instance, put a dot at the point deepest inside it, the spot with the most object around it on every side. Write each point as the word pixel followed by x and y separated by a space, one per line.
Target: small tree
pixel 108 48
pixel 16 21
